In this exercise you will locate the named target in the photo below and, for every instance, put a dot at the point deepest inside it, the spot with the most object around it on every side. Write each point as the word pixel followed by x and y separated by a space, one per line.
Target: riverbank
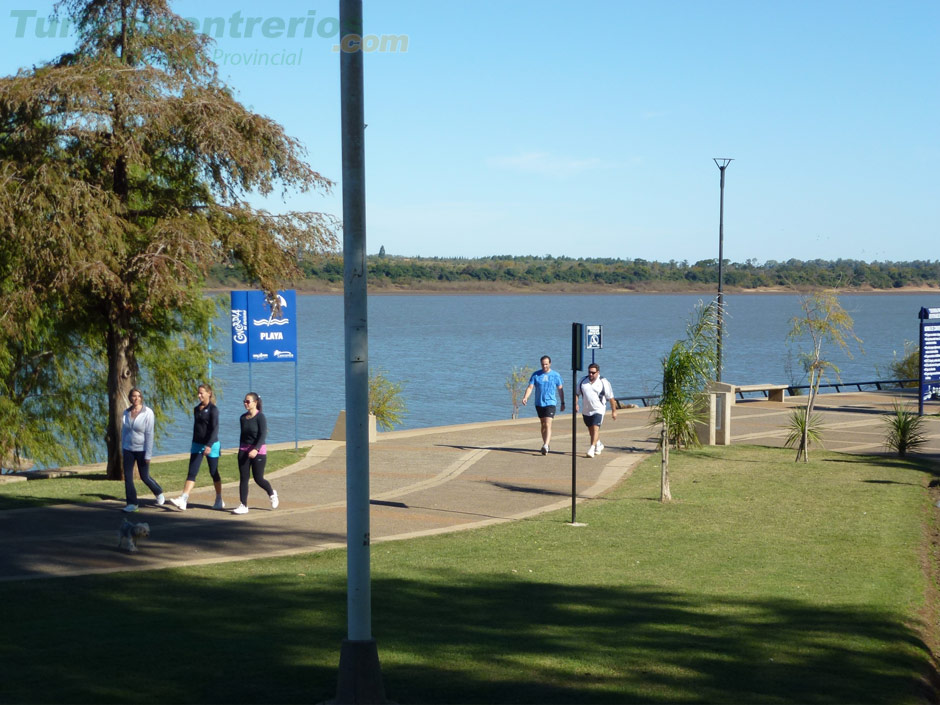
pixel 458 288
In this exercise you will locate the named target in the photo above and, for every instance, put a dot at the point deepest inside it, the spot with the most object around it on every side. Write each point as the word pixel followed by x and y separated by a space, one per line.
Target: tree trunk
pixel 122 363
pixel 804 438
pixel 122 375
pixel 664 494
pixel 813 391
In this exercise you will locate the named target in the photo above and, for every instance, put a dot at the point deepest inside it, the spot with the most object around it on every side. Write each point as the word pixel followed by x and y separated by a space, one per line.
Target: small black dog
pixel 130 533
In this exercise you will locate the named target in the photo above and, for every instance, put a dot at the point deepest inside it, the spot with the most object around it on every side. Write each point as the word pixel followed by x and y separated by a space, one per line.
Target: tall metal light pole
pixel 360 675
pixel 722 164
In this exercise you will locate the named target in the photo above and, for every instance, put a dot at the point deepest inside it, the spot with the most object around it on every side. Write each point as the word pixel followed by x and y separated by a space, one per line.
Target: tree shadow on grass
pixel 271 633
pixel 173 637
pixel 497 641
pixel 889 482
pixel 927 465
pixel 16 499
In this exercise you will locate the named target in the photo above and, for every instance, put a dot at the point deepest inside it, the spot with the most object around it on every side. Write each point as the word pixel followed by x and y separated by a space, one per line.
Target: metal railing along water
pixel 794 390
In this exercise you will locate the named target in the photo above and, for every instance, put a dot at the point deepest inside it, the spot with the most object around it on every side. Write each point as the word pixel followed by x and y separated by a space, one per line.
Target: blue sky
pixel 542 127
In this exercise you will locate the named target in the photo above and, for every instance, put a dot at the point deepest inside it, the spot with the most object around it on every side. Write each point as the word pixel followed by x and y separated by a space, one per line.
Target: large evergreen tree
pixel 124 168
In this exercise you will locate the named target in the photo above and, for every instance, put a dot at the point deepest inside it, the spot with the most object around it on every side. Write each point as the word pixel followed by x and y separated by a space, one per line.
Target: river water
pixel 454 352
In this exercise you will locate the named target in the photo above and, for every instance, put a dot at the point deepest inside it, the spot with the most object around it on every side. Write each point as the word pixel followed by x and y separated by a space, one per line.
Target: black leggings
pixel 256 466
pixel 143 466
pixel 195 460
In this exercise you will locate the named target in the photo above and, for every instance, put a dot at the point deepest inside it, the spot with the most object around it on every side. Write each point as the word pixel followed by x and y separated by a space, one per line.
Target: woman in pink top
pixel 252 452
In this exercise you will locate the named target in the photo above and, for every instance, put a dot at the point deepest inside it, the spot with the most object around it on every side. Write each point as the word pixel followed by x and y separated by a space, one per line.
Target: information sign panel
pixel 929 354
pixel 258 335
pixel 594 337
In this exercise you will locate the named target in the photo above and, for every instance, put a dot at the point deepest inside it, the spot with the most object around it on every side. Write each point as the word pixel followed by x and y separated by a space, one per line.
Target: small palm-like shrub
pixel 796 426
pixel 687 370
pixel 681 416
pixel 905 430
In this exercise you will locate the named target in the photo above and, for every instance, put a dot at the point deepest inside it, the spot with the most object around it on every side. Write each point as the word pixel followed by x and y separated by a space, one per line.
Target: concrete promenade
pixel 423 482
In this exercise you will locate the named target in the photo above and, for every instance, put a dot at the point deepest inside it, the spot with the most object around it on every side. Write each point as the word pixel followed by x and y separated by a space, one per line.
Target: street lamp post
pixel 360 673
pixel 722 164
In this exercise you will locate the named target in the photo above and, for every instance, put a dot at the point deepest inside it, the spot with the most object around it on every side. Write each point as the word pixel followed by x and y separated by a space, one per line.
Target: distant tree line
pixel 537 271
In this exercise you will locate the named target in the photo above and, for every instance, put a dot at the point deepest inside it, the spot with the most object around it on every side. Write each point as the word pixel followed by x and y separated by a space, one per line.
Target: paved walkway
pixel 422 482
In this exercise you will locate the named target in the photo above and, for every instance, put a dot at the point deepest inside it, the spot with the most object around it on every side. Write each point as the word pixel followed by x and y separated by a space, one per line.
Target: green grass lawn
pixel 95 486
pixel 764 581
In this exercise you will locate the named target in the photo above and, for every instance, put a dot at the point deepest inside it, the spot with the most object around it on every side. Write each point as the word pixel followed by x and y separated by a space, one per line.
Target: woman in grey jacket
pixel 137 444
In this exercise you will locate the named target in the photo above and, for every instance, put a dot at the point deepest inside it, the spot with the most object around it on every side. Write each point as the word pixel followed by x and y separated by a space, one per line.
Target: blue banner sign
pixel 261 331
pixel 239 326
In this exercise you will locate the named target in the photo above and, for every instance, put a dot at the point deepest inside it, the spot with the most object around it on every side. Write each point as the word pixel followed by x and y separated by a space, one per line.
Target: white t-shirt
pixel 594 395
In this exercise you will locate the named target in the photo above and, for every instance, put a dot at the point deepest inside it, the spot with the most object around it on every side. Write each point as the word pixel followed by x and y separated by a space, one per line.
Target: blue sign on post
pixel 258 335
pixel 265 330
pixel 272 338
pixel 239 326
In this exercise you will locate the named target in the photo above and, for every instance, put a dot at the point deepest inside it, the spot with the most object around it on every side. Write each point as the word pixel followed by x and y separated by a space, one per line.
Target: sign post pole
pixel 296 406
pixel 577 357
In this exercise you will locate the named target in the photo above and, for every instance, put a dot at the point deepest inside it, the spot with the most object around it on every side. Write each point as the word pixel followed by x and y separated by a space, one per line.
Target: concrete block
pixel 339 430
pixel 723 403
pixel 705 430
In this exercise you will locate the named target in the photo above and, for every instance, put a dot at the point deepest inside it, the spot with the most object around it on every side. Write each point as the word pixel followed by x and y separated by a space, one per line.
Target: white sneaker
pixel 590 452
pixel 600 447
pixel 179 503
pixel 219 504
pixel 274 500
pixel 240 509
pixel 160 499
pixel 130 508
pixel 544 450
